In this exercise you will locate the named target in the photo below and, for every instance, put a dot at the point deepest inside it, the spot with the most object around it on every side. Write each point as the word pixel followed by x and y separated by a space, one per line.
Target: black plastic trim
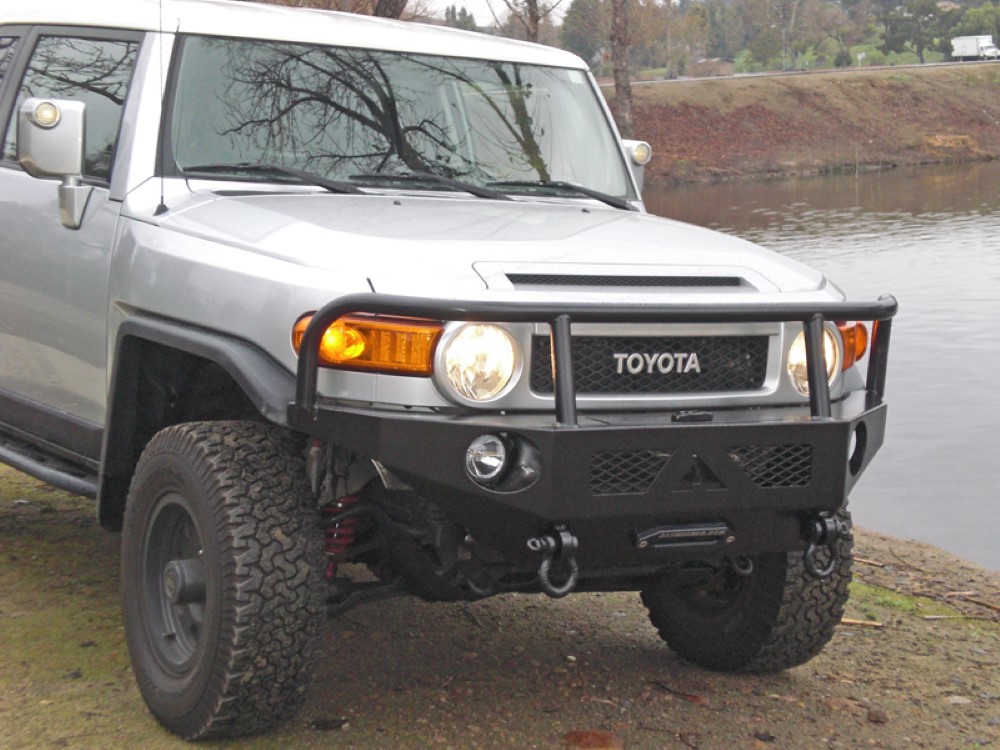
pixel 52 431
pixel 267 385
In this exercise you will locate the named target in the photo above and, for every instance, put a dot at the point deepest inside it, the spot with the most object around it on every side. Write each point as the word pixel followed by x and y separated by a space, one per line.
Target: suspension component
pixel 825 531
pixel 742 565
pixel 559 548
pixel 340 532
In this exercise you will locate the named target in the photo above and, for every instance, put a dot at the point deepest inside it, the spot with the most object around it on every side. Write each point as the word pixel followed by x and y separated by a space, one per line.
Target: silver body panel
pixel 291 251
pixel 247 260
pixel 53 296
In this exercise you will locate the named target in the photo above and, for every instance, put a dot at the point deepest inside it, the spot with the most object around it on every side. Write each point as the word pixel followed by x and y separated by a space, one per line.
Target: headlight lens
pixel 480 361
pixel 797 368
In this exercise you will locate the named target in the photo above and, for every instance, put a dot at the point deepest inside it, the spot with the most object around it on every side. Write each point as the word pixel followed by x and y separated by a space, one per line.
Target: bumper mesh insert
pixel 633 472
pixel 625 472
pixel 775 466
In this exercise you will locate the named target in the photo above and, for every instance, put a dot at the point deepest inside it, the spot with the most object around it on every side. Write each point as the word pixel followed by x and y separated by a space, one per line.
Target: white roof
pixel 256 20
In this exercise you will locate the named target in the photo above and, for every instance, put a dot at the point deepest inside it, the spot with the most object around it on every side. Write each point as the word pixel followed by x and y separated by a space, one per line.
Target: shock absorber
pixel 340 532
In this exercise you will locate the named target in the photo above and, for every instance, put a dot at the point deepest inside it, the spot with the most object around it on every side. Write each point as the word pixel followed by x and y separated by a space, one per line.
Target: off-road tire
pixel 777 617
pixel 230 500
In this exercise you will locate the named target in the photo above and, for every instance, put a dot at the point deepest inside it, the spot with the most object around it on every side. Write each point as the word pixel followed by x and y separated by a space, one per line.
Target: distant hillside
pixel 734 127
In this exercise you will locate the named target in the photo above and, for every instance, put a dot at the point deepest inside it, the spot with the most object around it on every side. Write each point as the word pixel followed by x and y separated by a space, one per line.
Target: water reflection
pixel 930 236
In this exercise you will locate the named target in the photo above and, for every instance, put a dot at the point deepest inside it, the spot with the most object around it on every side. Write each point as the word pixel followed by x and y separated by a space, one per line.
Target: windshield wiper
pixel 477 190
pixel 569 187
pixel 305 178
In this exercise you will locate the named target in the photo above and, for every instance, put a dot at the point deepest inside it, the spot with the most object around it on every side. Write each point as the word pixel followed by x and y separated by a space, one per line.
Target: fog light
pixel 486 459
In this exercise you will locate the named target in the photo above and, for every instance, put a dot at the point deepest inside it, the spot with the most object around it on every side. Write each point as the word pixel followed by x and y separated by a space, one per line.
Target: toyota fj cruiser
pixel 324 309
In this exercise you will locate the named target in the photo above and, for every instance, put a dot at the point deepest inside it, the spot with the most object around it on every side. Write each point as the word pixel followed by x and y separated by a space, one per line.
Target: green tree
pixel 982 20
pixel 831 22
pixel 914 26
pixel 459 18
pixel 585 28
pixel 726 35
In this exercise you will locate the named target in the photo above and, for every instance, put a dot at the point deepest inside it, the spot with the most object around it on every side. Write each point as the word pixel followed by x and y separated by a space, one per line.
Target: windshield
pixel 345 113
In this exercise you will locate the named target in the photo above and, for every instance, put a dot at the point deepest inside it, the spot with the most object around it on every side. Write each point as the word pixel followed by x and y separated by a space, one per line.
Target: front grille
pixel 625 472
pixel 726 363
pixel 775 466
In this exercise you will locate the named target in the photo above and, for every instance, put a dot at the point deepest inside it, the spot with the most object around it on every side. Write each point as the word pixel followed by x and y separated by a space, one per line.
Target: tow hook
pixel 560 546
pixel 826 531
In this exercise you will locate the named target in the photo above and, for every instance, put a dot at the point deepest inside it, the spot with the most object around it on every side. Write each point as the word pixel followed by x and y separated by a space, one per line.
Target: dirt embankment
pixel 736 127
pixel 913 666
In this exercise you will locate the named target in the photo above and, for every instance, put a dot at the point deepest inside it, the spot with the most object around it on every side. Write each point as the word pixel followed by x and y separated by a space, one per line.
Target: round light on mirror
pixel 46 115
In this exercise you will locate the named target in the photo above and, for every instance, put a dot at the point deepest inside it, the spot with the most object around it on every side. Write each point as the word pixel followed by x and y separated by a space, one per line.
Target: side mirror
pixel 50 143
pixel 639 153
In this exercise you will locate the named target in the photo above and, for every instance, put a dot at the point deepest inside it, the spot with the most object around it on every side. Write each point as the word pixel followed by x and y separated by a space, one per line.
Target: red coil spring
pixel 340 535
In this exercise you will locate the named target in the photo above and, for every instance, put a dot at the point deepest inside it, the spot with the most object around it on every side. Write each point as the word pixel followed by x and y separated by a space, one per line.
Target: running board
pixel 60 473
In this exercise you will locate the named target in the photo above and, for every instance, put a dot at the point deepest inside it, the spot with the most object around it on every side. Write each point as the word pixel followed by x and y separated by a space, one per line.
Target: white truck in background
pixel 979 47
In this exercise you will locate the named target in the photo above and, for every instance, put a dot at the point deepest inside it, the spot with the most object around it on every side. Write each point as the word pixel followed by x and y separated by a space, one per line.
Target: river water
pixel 931 237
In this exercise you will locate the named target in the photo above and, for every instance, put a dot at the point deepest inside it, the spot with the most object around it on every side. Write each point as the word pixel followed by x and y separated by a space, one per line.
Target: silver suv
pixel 324 309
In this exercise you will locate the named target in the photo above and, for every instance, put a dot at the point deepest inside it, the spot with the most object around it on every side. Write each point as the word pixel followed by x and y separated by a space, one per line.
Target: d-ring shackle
pixel 560 548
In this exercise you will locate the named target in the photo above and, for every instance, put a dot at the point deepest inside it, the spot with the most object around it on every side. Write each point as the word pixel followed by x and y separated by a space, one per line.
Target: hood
pixel 454 246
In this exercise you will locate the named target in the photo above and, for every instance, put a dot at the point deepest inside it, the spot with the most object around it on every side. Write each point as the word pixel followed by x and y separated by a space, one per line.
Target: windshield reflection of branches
pixel 509 134
pixel 64 67
pixel 7 44
pixel 341 111
pixel 301 105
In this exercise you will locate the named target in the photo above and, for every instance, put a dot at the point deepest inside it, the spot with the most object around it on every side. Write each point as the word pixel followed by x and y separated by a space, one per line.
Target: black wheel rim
pixel 175 610
pixel 716 594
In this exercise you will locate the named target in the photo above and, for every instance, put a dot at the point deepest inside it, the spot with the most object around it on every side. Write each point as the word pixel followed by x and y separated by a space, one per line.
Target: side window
pixel 7 45
pixel 94 71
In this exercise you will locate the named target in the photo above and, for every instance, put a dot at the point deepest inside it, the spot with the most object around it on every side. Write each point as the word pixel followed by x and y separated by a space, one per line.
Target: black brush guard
pixel 704 481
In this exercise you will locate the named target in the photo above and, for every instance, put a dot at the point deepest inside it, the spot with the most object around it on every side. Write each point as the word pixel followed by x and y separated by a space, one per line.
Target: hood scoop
pixel 634 283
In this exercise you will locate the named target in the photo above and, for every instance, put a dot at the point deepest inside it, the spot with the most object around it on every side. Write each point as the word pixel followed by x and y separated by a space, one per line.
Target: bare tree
pixel 526 14
pixel 389 8
pixel 620 41
pixel 407 10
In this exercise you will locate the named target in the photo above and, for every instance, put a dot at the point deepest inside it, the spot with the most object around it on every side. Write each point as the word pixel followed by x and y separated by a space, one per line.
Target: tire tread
pixel 273 606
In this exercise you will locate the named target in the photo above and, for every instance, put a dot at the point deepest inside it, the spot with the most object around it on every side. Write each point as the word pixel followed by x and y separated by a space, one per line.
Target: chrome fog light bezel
pixel 487 459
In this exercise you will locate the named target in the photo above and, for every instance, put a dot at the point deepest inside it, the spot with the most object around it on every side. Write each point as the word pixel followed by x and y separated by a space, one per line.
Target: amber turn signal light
pixel 400 346
pixel 855 337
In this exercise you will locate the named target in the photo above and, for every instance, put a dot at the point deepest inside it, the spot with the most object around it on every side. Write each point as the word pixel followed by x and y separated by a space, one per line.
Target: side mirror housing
pixel 50 143
pixel 639 153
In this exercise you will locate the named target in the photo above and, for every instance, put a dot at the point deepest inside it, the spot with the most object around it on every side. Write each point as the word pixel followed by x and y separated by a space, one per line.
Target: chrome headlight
pixel 480 361
pixel 798 370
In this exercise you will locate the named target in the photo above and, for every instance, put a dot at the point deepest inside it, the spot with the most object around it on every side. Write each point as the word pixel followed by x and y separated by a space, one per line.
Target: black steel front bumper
pixel 636 489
